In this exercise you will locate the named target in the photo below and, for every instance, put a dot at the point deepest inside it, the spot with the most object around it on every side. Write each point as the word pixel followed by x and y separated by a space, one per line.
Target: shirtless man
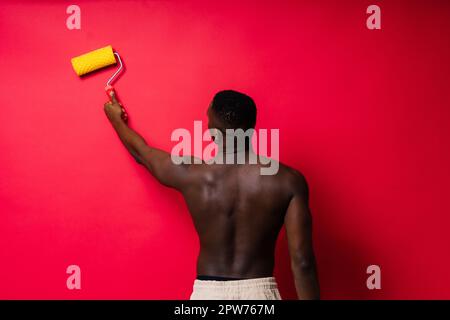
pixel 237 212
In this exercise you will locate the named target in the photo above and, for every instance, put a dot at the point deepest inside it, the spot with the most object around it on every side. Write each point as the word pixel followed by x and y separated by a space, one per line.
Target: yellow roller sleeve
pixel 93 60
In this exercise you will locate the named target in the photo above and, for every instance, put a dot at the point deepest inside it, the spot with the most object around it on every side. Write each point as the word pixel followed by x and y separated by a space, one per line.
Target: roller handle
pixel 110 89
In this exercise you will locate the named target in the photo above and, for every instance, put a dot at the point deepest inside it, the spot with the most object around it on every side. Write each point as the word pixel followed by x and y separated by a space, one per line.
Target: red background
pixel 363 114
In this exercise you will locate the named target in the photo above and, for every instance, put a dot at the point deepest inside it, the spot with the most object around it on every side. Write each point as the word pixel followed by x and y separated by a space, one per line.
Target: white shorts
pixel 249 289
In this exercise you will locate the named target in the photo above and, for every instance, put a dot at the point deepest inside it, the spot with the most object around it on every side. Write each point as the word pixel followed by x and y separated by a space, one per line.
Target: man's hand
pixel 114 109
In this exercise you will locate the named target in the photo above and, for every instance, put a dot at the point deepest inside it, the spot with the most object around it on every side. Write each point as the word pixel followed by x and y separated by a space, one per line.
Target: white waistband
pixel 266 283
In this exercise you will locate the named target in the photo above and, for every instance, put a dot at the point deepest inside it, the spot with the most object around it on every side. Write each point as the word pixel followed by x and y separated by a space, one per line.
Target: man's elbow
pixel 138 160
pixel 304 263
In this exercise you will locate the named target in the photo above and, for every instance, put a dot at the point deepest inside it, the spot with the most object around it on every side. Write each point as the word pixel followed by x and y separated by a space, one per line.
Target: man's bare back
pixel 237 212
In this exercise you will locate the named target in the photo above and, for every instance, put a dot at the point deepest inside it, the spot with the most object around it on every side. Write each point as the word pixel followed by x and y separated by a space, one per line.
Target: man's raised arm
pixel 158 162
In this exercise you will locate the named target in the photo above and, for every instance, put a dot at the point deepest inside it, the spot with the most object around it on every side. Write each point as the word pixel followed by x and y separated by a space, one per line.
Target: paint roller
pixel 95 60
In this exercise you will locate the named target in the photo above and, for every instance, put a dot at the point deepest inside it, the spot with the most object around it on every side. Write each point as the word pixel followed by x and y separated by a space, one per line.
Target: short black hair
pixel 235 109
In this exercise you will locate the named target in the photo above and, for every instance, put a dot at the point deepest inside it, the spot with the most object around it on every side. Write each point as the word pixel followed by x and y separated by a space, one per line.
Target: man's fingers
pixel 112 94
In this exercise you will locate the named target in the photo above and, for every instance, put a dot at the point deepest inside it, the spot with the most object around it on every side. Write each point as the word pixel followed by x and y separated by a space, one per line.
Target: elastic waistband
pixel 217 278
pixel 266 283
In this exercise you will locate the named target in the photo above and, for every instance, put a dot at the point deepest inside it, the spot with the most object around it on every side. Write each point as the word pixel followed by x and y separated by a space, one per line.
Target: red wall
pixel 363 114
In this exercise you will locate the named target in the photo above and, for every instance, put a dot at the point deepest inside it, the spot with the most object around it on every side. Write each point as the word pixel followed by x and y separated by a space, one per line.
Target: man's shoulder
pixel 293 178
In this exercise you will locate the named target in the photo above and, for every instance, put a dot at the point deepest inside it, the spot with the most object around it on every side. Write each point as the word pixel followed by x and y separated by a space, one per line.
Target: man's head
pixel 230 109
